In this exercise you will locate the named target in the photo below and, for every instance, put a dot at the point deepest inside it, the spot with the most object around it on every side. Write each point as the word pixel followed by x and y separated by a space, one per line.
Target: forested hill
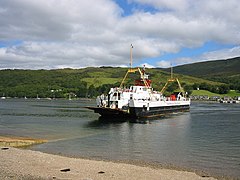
pixel 225 71
pixel 87 82
pixel 226 67
pixel 215 76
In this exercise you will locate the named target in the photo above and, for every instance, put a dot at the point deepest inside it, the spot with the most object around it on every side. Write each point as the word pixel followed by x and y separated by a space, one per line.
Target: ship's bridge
pixel 139 89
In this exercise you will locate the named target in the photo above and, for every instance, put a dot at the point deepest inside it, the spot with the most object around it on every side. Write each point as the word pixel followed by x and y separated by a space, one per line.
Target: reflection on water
pixel 206 138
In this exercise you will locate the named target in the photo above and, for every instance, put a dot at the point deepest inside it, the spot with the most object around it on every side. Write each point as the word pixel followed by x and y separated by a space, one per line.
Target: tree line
pixel 82 90
pixel 63 83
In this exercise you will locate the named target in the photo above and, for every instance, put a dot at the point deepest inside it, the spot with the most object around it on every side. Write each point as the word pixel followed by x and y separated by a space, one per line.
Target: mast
pixel 131 70
pixel 131 56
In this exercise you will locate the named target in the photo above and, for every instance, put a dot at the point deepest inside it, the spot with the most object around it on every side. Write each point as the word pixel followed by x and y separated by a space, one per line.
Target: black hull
pixel 109 113
pixel 156 111
pixel 138 113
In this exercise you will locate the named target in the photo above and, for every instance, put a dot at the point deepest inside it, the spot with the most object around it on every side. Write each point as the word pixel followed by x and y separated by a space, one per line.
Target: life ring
pixel 113 106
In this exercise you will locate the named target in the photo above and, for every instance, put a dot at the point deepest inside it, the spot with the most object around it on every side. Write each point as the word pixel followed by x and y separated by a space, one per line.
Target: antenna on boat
pixel 131 56
pixel 171 71
pixel 131 69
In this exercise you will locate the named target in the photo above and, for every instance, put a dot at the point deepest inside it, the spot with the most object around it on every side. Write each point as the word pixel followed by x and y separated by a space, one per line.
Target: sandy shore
pixel 19 141
pixel 27 164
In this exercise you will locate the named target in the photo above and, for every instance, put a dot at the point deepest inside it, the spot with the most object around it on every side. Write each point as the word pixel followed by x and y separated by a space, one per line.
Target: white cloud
pixel 221 54
pixel 163 64
pixel 208 56
pixel 147 65
pixel 73 33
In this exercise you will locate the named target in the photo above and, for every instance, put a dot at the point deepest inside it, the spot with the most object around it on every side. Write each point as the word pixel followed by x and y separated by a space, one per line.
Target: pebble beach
pixel 27 164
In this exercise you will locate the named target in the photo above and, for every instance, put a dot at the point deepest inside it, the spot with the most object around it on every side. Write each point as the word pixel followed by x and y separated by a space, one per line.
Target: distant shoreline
pixel 93 99
pixel 210 102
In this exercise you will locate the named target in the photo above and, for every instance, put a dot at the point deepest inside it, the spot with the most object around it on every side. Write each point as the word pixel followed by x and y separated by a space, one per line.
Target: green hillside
pixel 225 71
pixel 210 94
pixel 87 82
pixel 228 67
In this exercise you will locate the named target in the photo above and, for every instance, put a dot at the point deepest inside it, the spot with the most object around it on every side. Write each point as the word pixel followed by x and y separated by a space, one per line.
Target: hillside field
pixel 91 81
pixel 210 94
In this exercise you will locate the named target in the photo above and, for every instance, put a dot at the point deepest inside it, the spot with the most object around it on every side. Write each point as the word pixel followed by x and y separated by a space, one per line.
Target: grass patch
pixel 100 81
pixel 231 93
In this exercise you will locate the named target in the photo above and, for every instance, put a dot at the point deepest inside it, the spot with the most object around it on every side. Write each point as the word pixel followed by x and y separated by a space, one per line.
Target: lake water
pixel 205 139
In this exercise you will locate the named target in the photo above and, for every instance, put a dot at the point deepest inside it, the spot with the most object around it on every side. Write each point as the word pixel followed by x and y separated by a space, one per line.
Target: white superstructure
pixel 140 100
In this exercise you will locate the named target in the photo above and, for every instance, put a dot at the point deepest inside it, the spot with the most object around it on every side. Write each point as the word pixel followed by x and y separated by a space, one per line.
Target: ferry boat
pixel 140 100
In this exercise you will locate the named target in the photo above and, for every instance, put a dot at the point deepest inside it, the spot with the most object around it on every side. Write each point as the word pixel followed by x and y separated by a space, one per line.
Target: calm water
pixel 207 138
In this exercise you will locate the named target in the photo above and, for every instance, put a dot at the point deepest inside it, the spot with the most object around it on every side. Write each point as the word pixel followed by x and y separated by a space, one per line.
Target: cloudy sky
pixel 50 34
